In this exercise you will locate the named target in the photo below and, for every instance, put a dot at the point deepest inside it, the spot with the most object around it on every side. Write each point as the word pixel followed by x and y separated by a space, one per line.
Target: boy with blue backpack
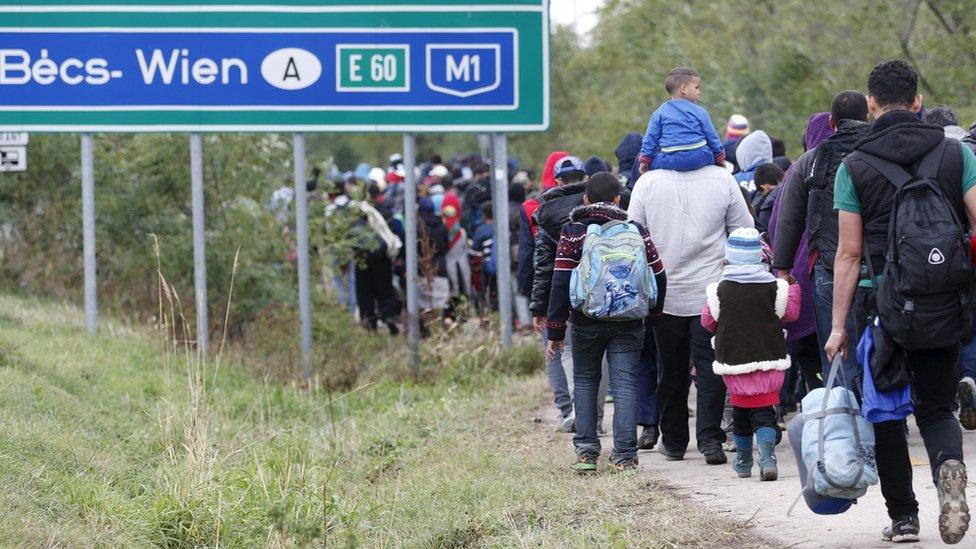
pixel 608 272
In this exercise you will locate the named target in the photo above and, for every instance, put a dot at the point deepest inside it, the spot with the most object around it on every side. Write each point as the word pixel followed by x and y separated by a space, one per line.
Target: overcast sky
pixel 578 13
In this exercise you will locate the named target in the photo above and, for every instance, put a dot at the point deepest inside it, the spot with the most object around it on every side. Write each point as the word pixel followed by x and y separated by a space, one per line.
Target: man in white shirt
pixel 689 216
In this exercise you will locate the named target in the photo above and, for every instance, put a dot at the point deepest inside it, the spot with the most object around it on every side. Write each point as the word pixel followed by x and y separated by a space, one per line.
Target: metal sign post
pixel 311 66
pixel 499 191
pixel 88 231
pixel 301 233
pixel 410 222
pixel 199 243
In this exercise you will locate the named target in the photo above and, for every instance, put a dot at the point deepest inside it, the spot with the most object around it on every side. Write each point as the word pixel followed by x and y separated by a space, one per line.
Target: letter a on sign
pixel 291 71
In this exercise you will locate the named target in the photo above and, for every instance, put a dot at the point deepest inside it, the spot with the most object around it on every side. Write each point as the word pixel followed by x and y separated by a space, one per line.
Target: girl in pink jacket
pixel 746 309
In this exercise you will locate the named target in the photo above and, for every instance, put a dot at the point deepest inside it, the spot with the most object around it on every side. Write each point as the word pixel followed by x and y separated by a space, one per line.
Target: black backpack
pixel 821 217
pixel 926 290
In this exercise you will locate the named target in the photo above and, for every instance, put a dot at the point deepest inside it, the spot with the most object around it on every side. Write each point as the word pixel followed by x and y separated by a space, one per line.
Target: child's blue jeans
pixel 622 346
pixel 684 161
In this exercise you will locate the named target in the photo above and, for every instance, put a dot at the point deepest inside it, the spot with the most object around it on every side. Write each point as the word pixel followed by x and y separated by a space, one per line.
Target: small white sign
pixel 13 159
pixel 13 139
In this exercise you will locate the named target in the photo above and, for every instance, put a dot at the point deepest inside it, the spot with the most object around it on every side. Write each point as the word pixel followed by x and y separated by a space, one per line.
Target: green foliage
pixel 142 189
pixel 776 62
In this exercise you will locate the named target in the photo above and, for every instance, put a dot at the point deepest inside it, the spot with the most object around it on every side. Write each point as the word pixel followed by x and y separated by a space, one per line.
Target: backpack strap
pixel 894 173
pixel 929 167
pixel 611 224
pixel 897 175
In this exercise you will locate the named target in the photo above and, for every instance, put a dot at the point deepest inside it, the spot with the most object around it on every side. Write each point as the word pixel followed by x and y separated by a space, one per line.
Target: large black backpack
pixel 926 290
pixel 821 217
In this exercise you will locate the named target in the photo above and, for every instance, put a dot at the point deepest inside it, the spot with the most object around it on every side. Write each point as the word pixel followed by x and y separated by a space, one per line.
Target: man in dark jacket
pixel 550 218
pixel 627 151
pixel 808 205
pixel 864 198
pixel 475 194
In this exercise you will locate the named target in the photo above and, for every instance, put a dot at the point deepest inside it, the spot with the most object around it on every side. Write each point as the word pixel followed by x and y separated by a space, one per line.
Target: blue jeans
pixel 684 161
pixel 823 303
pixel 557 381
pixel 345 286
pixel 647 381
pixel 622 346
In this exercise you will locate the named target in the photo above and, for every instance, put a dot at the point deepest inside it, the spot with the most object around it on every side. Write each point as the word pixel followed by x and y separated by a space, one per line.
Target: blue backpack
pixel 612 280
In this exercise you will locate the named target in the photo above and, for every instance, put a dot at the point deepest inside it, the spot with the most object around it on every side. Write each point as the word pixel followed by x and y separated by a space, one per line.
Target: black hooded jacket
pixel 807 199
pixel 899 137
pixel 550 217
pixel 627 151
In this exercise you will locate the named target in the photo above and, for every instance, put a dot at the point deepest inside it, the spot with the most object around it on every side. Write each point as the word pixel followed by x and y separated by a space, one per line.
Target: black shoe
pixel 902 530
pixel 714 455
pixel 670 456
pixel 392 326
pixel 648 438
pixel 966 394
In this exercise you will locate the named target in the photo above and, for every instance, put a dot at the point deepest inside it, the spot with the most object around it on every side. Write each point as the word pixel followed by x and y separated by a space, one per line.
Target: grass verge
pixel 111 441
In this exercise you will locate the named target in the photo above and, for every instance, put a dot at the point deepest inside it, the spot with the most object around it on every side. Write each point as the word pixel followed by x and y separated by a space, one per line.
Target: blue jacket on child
pixel 680 136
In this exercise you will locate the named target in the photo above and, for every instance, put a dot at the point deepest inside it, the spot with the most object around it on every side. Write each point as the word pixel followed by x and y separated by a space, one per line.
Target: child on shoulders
pixel 680 135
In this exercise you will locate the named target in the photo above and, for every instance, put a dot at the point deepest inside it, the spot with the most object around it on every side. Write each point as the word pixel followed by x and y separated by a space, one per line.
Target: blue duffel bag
pixel 834 447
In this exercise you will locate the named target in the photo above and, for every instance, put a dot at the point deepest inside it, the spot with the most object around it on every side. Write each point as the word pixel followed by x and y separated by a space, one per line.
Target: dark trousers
pixel 374 289
pixel 682 340
pixel 934 391
pixel 803 375
pixel 862 308
pixel 746 421
pixel 647 382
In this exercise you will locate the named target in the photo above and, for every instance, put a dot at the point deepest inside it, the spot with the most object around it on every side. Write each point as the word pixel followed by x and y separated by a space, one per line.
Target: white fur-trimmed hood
pixel 749 367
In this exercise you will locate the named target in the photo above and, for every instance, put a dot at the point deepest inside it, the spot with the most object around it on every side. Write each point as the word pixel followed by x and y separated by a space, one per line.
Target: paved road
pixel 764 504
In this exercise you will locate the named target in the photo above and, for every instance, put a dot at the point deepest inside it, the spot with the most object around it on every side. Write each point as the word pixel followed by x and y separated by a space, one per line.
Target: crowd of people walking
pixel 719 263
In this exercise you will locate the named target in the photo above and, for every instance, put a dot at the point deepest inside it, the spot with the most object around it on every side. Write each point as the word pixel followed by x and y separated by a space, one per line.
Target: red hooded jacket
pixel 548 182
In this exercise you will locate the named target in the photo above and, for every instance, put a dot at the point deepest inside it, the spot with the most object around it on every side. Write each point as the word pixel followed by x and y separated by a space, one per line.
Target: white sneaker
pixel 567 425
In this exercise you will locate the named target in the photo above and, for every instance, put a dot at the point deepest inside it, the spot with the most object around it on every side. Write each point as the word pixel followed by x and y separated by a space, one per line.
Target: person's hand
pixel 836 343
pixel 539 323
pixel 785 275
pixel 552 348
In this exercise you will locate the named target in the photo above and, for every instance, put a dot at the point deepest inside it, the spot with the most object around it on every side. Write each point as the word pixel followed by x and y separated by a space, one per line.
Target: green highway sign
pixel 308 65
pixel 373 69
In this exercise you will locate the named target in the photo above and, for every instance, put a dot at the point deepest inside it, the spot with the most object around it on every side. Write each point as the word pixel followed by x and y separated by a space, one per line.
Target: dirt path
pixel 763 505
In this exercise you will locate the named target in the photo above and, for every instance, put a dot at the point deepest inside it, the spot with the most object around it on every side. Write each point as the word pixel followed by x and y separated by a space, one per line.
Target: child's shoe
pixel 584 464
pixel 767 455
pixel 625 465
pixel 743 456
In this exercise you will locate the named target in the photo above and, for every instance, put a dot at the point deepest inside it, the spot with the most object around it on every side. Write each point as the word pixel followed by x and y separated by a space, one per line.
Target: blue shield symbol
pixel 463 70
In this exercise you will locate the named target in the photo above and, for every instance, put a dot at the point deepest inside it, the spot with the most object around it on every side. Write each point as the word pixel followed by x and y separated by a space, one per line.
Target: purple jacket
pixel 817 130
